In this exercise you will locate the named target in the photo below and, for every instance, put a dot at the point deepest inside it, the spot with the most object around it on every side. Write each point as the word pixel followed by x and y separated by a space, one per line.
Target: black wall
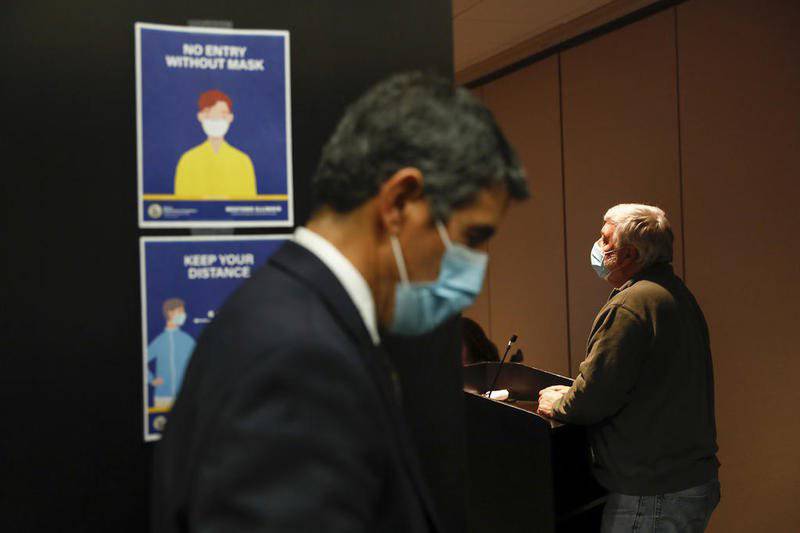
pixel 71 454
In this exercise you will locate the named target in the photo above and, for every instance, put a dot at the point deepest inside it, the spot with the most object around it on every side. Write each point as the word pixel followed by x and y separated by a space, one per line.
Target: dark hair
pixel 479 347
pixel 416 120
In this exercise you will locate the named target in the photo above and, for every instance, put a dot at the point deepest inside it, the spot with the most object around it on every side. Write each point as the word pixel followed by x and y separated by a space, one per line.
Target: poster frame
pixel 289 222
pixel 143 241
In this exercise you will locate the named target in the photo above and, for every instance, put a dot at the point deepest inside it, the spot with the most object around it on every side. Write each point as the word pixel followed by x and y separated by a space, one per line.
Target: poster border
pixel 143 297
pixel 289 222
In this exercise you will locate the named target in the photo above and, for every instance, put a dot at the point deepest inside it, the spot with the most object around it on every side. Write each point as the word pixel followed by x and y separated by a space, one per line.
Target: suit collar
pixel 346 273
pixel 303 264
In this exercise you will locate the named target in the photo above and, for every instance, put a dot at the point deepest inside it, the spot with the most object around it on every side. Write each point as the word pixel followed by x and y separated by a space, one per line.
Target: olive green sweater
pixel 646 389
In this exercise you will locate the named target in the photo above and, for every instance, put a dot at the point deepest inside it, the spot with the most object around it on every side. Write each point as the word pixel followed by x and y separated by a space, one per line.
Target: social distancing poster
pixel 213 127
pixel 184 282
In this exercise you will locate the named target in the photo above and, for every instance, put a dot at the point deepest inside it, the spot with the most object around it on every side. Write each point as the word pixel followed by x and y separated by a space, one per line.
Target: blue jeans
pixel 686 511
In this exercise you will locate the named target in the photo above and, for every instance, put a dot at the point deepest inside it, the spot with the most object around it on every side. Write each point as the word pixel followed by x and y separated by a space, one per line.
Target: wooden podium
pixel 526 473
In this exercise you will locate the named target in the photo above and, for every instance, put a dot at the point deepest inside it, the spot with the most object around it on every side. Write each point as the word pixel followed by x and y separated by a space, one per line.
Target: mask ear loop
pixel 443 234
pixel 399 260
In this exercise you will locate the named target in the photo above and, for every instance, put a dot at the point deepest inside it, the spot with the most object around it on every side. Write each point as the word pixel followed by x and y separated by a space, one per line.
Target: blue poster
pixel 213 127
pixel 184 280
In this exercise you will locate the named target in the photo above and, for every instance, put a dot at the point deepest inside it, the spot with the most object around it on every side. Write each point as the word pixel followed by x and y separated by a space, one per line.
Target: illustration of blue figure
pixel 171 351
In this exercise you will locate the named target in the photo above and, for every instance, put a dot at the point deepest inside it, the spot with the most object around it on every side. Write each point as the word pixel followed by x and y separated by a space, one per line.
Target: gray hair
pixel 644 227
pixel 417 120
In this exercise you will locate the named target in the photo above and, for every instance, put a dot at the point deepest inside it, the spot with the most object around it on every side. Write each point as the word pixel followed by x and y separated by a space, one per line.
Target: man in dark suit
pixel 290 415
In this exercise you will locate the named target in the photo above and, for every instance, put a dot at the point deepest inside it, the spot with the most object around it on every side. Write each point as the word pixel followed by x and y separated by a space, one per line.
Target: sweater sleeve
pixel 616 349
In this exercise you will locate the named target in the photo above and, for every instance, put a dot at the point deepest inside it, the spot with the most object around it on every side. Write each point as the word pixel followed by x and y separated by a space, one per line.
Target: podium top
pixel 523 383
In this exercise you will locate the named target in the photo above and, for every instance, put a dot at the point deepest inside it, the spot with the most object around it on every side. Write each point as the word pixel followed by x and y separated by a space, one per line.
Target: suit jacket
pixel 431 376
pixel 289 418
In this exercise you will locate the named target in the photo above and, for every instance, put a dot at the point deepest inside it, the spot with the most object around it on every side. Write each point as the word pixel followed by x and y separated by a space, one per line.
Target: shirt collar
pixel 351 279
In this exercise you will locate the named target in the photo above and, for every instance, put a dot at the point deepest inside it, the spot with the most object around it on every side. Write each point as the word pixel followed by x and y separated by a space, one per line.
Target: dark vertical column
pixel 71 445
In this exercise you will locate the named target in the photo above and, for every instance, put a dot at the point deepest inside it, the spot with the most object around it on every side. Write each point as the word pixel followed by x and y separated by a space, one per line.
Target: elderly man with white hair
pixel 646 387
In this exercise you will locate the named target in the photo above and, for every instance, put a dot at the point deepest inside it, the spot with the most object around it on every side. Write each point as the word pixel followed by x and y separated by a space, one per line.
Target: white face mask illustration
pixel 215 127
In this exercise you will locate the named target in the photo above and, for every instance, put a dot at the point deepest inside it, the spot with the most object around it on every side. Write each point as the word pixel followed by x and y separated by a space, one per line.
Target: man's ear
pixel 230 118
pixel 200 116
pixel 631 254
pixel 394 194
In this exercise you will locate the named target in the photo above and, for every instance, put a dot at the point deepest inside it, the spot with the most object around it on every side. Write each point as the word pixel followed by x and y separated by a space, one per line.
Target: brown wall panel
pixel 527 278
pixel 711 137
pixel 620 145
pixel 740 129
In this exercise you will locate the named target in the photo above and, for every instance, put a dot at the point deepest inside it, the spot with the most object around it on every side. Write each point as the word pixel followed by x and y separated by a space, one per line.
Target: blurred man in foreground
pixel 290 417
pixel 646 388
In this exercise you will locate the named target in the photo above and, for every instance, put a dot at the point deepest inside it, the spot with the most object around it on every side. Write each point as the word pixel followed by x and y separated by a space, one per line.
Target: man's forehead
pixel 608 230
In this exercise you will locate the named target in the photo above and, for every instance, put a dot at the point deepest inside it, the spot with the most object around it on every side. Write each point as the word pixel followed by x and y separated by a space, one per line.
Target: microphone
pixel 511 341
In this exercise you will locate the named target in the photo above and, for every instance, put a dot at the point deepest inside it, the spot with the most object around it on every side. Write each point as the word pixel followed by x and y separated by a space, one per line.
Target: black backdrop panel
pixel 71 450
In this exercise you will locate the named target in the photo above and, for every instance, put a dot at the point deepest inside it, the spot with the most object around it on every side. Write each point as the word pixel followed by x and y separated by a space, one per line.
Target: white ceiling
pixel 483 28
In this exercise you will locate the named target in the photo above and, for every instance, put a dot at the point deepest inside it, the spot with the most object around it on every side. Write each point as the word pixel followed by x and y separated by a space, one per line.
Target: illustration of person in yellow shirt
pixel 215 169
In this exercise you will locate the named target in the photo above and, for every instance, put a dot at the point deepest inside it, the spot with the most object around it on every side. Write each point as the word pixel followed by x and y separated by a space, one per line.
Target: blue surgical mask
pixel 421 307
pixel 598 257
pixel 179 319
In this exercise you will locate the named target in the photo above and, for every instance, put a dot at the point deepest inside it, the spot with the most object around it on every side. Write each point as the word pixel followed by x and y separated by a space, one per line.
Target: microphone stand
pixel 511 341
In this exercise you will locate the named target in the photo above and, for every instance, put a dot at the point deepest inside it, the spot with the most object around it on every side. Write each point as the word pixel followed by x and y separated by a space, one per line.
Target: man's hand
pixel 548 396
pixel 160 381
